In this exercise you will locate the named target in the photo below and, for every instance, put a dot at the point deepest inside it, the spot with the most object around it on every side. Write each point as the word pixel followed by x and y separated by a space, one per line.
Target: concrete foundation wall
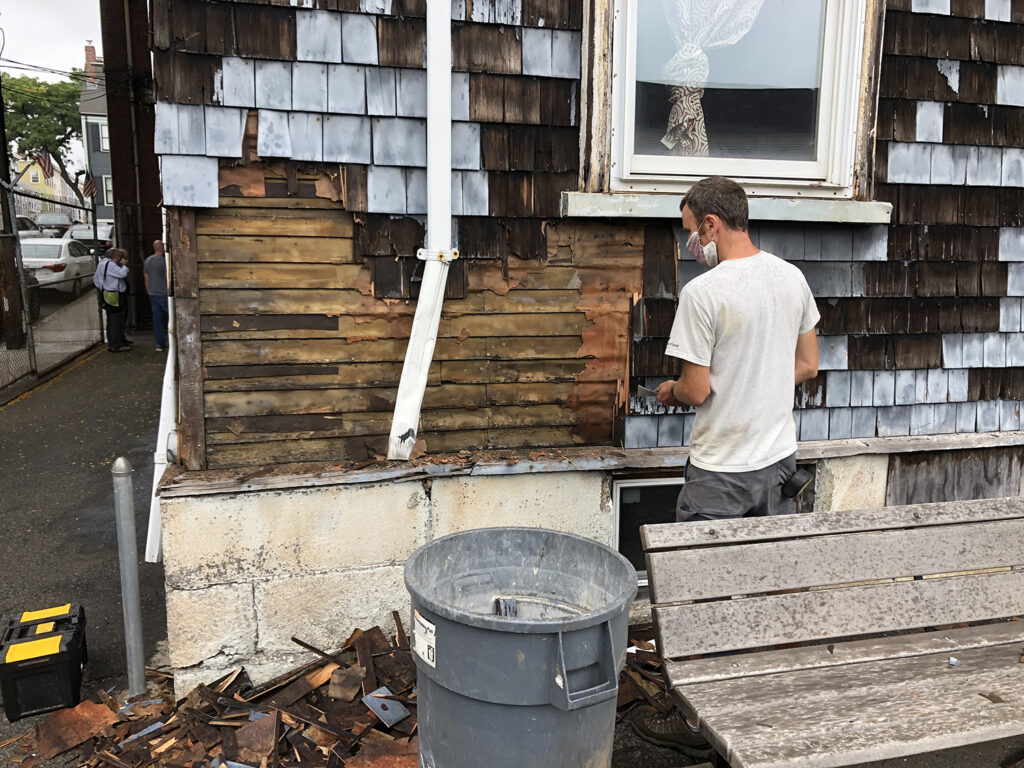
pixel 246 572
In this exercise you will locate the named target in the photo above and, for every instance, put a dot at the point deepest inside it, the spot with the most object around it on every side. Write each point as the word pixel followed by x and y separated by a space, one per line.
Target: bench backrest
pixel 757 582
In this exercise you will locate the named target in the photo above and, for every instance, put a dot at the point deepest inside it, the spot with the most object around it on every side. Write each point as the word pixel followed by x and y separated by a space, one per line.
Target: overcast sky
pixel 49 33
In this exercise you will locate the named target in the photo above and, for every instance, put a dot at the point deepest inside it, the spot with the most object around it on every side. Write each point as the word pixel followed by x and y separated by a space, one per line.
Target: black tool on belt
pixel 796 483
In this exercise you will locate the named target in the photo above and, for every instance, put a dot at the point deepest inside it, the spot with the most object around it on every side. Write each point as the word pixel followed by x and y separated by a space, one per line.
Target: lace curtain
pixel 698 26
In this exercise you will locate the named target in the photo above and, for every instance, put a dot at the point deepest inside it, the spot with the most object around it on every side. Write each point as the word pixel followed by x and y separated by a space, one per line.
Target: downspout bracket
pixel 426 254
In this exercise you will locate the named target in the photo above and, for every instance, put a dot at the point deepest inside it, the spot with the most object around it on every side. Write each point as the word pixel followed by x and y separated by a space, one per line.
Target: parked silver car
pixel 63 265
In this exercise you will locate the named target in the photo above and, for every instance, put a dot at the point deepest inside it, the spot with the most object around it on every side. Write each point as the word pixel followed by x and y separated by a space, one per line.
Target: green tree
pixel 43 115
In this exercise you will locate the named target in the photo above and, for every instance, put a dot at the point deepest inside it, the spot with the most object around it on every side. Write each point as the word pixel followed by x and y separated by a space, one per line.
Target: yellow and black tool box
pixel 41 658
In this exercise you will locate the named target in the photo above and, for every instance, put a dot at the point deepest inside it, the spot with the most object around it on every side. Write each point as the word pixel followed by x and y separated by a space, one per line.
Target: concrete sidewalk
pixel 58 542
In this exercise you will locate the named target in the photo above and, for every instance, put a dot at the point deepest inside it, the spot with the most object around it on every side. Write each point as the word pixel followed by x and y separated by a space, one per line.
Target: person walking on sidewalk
pixel 111 280
pixel 154 272
pixel 745 333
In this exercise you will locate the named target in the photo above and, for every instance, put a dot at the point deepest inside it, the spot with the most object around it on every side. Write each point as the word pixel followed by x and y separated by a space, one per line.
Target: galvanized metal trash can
pixel 519 636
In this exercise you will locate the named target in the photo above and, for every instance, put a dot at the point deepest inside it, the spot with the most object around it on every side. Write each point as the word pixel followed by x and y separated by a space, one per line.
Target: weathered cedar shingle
pixel 648 358
pixel 526 238
pixel 486 98
pixel 556 14
pixel 486 48
pixel 658 316
pixel 494 147
pixel 969 8
pixel 416 8
pixel 401 42
pixel 185 78
pixel 547 192
pixel 996 383
pixel 511 194
pixel 522 100
pixel 265 32
pixel 522 147
pixel 660 262
pixel 482 237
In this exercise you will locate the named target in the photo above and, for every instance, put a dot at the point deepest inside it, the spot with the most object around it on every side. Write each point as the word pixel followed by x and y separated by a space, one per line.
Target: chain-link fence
pixel 61 314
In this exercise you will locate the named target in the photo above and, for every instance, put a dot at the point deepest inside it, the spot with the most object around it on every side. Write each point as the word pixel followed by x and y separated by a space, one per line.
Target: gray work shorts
pixel 720 495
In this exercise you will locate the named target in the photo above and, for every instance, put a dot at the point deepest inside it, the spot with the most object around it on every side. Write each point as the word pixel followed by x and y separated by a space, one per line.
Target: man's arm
pixel 691 388
pixel 806 356
pixel 145 279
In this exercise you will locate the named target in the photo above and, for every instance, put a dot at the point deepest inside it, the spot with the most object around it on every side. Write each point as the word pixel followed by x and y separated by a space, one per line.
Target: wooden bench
pixel 833 639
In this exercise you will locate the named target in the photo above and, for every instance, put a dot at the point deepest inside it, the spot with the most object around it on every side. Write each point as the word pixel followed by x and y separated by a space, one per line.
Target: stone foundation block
pixel 324 609
pixel 851 482
pixel 217 539
pixel 575 502
pixel 216 622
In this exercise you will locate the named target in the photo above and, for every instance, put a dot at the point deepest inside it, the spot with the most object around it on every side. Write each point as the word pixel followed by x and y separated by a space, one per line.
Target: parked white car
pixel 63 265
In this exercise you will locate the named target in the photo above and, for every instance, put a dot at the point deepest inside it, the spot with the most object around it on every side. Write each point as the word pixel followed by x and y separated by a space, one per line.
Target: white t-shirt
pixel 742 319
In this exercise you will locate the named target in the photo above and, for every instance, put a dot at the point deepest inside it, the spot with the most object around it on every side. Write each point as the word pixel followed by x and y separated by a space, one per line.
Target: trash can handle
pixel 568 700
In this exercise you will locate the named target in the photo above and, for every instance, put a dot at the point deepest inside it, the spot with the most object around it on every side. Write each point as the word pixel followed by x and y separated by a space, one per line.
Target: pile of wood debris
pixel 354 708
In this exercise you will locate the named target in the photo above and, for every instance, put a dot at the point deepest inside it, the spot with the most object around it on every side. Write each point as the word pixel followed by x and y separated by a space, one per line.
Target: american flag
pixel 89 188
pixel 45 162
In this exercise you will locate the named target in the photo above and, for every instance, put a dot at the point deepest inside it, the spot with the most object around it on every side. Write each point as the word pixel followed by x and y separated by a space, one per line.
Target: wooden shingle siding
pixel 308 277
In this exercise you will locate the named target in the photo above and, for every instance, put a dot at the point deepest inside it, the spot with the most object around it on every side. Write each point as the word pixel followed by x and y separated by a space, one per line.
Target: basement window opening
pixel 642 502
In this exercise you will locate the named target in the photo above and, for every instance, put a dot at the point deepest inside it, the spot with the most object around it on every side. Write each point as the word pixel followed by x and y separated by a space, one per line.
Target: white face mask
pixel 705 255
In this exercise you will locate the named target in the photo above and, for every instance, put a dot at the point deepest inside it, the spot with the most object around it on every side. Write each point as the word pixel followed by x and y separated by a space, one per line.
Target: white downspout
pixel 166 436
pixel 438 253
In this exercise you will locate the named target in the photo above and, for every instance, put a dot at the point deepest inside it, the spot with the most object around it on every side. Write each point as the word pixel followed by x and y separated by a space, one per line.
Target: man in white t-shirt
pixel 745 332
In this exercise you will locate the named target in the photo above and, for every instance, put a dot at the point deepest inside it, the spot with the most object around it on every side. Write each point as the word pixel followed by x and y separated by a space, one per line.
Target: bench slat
pixel 954 642
pixel 845 715
pixel 675 535
pixel 755 622
pixel 708 572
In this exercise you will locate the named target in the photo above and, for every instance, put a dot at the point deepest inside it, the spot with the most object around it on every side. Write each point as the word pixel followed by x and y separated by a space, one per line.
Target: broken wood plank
pixel 67 728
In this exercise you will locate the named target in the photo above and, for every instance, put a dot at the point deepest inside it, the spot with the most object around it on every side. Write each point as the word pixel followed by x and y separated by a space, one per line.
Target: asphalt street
pixel 58 542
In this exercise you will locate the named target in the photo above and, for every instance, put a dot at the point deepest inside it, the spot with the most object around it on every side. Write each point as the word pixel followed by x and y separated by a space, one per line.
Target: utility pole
pixel 11 305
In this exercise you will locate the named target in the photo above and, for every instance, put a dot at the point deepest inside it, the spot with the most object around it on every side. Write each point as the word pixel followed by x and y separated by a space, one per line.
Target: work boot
pixel 669 729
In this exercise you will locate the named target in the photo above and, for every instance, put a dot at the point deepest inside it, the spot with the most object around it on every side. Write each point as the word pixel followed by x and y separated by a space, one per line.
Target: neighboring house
pixel 885 155
pixel 32 180
pixel 95 134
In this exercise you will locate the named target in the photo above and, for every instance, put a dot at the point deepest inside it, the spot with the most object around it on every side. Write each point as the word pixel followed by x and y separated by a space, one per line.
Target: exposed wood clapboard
pixel 301 356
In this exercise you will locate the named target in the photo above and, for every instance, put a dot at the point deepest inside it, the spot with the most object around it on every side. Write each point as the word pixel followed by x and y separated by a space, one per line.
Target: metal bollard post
pixel 124 511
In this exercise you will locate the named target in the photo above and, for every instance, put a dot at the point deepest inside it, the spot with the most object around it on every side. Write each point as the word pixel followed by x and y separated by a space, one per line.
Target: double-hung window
pixel 763 91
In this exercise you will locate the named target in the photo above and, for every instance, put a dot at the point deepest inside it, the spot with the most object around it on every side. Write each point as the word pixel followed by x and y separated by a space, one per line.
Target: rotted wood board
pixel 271 276
pixel 266 403
pixel 249 429
pixel 513 349
pixel 271 249
pixel 276 222
pixel 370 447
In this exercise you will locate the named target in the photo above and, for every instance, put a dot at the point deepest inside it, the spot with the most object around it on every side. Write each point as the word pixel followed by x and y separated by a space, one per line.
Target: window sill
pixel 666 206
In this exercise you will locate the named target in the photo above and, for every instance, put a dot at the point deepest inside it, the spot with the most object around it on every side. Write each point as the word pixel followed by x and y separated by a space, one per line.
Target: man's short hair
pixel 719 196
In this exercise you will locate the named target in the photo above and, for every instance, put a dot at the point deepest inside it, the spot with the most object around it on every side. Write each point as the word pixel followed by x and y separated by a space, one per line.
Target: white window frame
pixel 33 176
pixel 830 175
pixel 108 190
pixel 104 137
pixel 617 486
